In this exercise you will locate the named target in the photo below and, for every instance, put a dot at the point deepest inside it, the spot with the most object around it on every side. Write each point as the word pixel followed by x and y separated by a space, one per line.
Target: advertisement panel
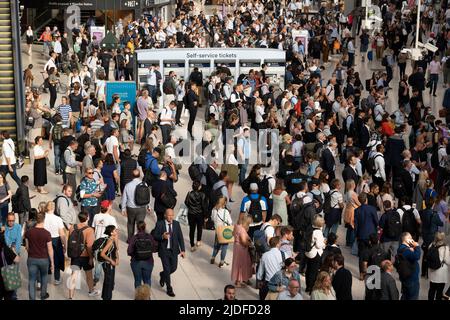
pixel 125 89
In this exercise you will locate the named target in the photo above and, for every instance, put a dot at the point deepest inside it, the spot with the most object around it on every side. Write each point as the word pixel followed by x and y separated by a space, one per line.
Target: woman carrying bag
pixel 224 226
pixel 197 213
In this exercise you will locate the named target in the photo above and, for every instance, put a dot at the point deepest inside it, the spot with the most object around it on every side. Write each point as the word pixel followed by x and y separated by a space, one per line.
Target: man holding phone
pixel 409 251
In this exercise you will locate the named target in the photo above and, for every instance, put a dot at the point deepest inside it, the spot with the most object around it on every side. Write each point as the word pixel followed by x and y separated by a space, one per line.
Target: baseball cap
pixel 253 186
pixel 105 204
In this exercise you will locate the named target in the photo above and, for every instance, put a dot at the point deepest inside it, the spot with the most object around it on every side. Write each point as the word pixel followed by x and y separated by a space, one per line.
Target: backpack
pixel 29 122
pixel 327 202
pixel 98 246
pixel 78 192
pixel 409 223
pixel 433 259
pixel 143 248
pixel 194 172
pixel 76 243
pixel 260 240
pixel 404 268
pixel 263 187
pixel 57 133
pixel 141 157
pixel 55 201
pixel 255 209
pixel 377 257
pixel 296 208
pixel 370 167
pixel 393 227
pixel 142 194
pixel 167 88
pixel 149 177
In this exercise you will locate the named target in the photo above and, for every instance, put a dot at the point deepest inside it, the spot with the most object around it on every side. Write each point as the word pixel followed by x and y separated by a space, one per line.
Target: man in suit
pixel 403 184
pixel 171 244
pixel 349 171
pixel 366 224
pixel 327 162
pixel 342 280
pixel 389 289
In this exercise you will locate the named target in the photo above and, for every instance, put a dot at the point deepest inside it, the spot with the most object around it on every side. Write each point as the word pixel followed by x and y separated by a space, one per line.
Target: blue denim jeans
pixel 349 237
pixel 410 290
pixel 328 229
pixel 13 174
pixel 142 272
pixel 37 267
pixel 243 171
pixel 98 270
pixel 220 247
pixel 57 153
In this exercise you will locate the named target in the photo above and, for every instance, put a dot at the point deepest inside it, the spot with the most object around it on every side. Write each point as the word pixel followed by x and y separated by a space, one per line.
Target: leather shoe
pixel 171 294
pixel 161 281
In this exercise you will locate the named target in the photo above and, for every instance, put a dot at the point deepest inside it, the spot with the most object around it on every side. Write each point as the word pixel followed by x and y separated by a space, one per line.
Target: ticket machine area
pixel 184 60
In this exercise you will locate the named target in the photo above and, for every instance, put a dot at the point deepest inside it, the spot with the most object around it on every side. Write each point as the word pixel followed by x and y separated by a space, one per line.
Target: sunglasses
pixel 89 172
pixel 11 220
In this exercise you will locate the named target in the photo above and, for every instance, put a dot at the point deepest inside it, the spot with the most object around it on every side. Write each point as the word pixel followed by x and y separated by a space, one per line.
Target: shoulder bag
pixel 10 275
pixel 225 232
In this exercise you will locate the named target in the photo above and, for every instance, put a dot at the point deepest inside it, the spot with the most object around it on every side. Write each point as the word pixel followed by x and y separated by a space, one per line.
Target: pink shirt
pixel 435 67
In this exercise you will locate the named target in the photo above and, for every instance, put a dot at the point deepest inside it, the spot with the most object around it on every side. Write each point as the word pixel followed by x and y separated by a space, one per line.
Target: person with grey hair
pixel 313 256
pixel 88 162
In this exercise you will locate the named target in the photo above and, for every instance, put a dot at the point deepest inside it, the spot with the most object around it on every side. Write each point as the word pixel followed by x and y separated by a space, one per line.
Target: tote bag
pixel 10 275
pixel 224 233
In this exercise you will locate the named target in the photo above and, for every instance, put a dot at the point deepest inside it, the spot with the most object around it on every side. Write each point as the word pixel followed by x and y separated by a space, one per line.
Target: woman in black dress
pixel 40 165
pixel 30 38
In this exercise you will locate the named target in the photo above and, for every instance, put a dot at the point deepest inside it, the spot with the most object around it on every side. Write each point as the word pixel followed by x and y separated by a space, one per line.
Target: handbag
pixel 225 234
pixel 252 253
pixel 10 275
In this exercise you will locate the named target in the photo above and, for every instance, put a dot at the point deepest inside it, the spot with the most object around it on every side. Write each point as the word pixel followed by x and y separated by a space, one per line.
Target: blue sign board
pixel 126 90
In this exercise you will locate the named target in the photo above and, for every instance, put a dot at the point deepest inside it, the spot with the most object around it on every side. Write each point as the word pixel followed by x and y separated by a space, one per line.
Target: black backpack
pixel 393 226
pixel 409 223
pixel 167 89
pixel 149 177
pixel 377 256
pixel 255 209
pixel 327 202
pixel 371 169
pixel 142 194
pixel 56 204
pixel 195 172
pixel 308 245
pixel 141 157
pixel 263 187
pixel 404 267
pixel 433 259
pixel 15 202
pixel 78 192
pixel 98 246
pixel 76 243
pixel 296 211
pixel 143 248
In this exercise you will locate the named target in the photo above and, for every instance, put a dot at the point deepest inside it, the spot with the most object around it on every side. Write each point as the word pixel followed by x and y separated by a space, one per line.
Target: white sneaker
pixel 94 293
pixel 57 282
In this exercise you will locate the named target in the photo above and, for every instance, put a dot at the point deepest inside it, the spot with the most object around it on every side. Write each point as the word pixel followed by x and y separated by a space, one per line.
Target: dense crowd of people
pixel 391 196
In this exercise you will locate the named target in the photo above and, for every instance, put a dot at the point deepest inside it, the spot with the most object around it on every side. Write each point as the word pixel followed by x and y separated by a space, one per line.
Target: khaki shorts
pixel 75 116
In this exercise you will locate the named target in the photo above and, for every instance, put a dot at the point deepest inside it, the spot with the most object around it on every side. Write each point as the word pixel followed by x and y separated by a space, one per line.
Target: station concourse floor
pixel 195 278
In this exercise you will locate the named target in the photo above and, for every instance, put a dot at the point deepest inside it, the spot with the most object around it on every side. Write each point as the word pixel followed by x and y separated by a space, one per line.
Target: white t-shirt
pixel 8 151
pixel 110 143
pixel 269 231
pixel 101 221
pixel 166 113
pixel 53 224
pixel 259 114
pixel 38 151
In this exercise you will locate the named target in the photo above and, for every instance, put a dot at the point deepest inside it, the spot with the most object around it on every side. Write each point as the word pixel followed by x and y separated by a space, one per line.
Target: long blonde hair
pixel 319 284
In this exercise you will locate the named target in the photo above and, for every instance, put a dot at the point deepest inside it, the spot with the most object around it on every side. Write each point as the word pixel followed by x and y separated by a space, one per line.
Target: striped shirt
pixel 64 111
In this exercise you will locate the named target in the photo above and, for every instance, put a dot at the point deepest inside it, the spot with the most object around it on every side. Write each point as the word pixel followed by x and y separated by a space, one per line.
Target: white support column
pixel 161 69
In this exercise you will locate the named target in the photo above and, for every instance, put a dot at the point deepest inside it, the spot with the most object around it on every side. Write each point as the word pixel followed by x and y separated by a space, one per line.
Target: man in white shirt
pixel 112 145
pixel 152 83
pixel 51 63
pixel 217 109
pixel 167 121
pixel 442 158
pixel 271 262
pixel 379 176
pixel 103 219
pixel 8 164
pixel 378 111
pixel 269 226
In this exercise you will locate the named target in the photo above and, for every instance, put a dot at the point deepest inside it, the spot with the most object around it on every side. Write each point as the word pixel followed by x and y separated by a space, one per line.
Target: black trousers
pixel 363 245
pixel 424 268
pixel 169 262
pixel 53 95
pixel 179 110
pixel 435 291
pixel 312 270
pixel 108 283
pixel 192 116
pixel 378 181
pixel 195 221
